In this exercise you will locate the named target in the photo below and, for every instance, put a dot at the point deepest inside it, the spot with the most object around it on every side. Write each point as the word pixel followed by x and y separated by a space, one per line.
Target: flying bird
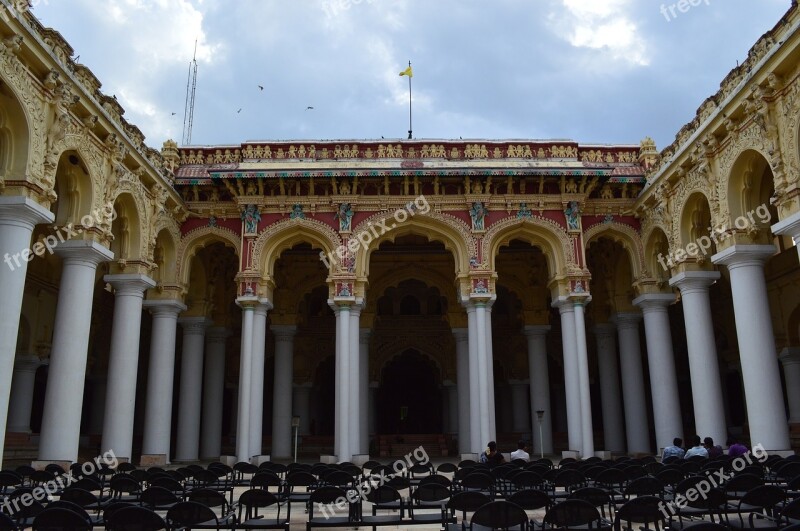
pixel 173 114
pixel 260 87
pixel 240 110
pixel 309 108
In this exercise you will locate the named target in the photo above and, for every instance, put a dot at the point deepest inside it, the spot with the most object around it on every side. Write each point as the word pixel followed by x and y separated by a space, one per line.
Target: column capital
pixel 536 330
pixel 164 306
pixel 130 284
pixel 461 334
pixel 789 226
pixel 338 303
pixel 263 306
pixel 27 362
pixel 790 356
pixel 283 332
pixel 654 301
pixel 694 281
pixel 474 300
pixel 604 329
pixel 625 320
pixel 564 305
pixel 23 211
pixel 248 302
pixel 195 325
pixel 217 334
pixel 744 256
pixel 87 252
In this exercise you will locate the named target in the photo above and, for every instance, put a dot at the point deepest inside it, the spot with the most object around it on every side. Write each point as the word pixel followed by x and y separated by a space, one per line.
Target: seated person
pixel 520 452
pixel 491 456
pixel 676 450
pixel 696 449
pixel 713 451
pixel 735 448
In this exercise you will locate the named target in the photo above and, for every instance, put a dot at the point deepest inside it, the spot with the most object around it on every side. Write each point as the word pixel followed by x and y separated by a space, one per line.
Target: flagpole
pixel 409 103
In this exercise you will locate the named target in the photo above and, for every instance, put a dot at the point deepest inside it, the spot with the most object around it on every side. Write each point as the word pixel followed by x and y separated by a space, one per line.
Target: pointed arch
pixel 195 240
pixel 288 233
pixel 626 236
pixel 539 232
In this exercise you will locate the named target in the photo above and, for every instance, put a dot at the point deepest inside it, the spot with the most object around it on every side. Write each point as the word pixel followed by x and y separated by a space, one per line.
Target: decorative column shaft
pixel 633 392
pixel 762 383
pixel 363 382
pixel 663 380
pixel 462 374
pixel 18 216
pixel 248 304
pixel 257 378
pixel 489 360
pixel 213 390
pixel 613 430
pixel 355 406
pixel 341 437
pixel 538 371
pixel 282 403
pixel 709 411
pixel 63 402
pixel 187 446
pixel 160 376
pixel 123 363
pixel 571 375
pixel 19 411
pixel 587 430
pixel 476 443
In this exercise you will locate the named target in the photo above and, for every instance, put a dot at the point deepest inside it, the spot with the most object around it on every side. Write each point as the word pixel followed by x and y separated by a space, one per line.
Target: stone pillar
pixel 489 357
pixel 160 376
pixel 18 216
pixel 123 363
pixel 341 437
pixel 540 387
pixel 587 430
pixel 709 412
pixel 363 382
pixel 248 304
pixel 19 411
pixel 282 403
pixel 356 407
pixel 663 380
pixel 187 445
pixel 213 390
pixel 484 372
pixel 521 415
pixel 301 406
pixel 462 375
pixel 63 402
pixel 475 438
pixel 790 358
pixel 766 413
pixel 571 375
pixel 613 429
pixel 633 393
pixel 257 378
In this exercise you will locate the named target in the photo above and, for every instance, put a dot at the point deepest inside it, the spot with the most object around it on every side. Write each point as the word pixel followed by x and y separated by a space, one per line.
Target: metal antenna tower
pixel 188 111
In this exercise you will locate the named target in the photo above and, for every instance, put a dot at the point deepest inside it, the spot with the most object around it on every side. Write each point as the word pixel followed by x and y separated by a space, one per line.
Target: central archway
pixel 409 397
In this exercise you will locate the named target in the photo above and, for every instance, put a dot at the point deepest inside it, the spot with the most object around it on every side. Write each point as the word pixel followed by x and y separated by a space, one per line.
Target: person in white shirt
pixel 520 452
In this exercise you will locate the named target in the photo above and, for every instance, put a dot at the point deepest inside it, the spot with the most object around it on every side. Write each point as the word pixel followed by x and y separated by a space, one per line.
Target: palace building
pixel 194 302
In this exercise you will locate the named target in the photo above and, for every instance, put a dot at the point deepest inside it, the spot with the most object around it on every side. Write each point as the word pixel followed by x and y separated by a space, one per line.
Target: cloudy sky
pixel 605 71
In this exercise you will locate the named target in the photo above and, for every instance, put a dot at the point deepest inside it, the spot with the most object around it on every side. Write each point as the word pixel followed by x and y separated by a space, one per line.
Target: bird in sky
pixel 260 87
pixel 173 114
pixel 240 110
pixel 309 108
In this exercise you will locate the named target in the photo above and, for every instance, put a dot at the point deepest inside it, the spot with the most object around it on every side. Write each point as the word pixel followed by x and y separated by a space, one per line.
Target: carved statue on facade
pixel 344 215
pixel 251 217
pixel 478 215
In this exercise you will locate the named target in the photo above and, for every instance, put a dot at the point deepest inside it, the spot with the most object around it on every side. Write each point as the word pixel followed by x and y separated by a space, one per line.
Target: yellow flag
pixel 407 72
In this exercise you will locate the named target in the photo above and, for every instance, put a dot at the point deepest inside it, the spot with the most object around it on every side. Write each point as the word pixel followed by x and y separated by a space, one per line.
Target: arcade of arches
pixel 187 304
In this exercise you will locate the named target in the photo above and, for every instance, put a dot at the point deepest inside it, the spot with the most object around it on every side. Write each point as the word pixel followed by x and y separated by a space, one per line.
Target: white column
pixel 213 389
pixel 660 358
pixel 301 406
pixel 790 358
pixel 187 445
pixel 452 394
pixel 485 374
pixel 766 413
pixel 587 435
pixel 709 411
pixel 571 375
pixel 160 376
pixel 19 411
pixel 18 216
pixel 248 304
pixel 257 378
pixel 355 405
pixel 462 375
pixel 61 422
pixel 490 373
pixel 475 438
pixel 633 393
pixel 789 227
pixel 342 394
pixel 538 372
pixel 282 401
pixel 123 363
pixel 521 415
pixel 613 429
pixel 363 382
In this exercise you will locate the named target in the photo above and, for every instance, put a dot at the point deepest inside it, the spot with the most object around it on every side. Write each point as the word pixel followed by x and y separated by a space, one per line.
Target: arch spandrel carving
pixel 285 234
pixel 557 245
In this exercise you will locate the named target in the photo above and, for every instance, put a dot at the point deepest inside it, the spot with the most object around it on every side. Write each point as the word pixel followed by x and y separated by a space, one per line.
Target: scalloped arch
pixel 538 231
pixel 430 277
pixel 198 238
pixel 624 234
pixel 288 233
pixel 13 76
pixel 394 349
pixel 449 230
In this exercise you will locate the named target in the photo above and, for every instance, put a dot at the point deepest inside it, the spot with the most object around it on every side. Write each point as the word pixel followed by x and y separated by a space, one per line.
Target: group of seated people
pixel 492 457
pixel 706 448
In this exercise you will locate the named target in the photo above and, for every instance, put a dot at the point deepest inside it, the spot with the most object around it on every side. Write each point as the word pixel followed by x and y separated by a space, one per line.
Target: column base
pixel 41 465
pixel 570 454
pixel 469 456
pixel 328 459
pixel 148 460
pixel 258 459
pixel 360 459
